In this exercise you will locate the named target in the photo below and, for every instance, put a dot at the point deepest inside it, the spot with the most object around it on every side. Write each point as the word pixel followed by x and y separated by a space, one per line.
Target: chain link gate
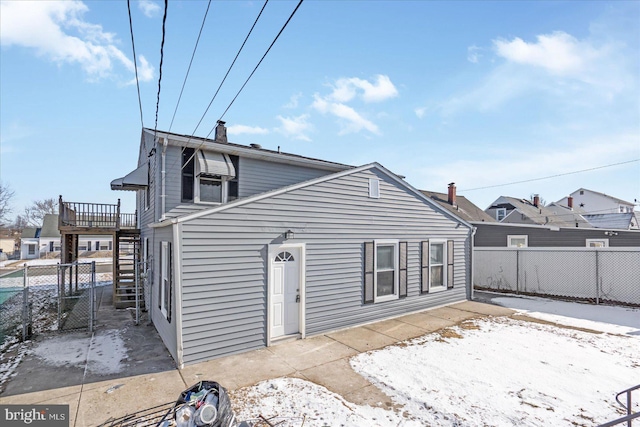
pixel 77 299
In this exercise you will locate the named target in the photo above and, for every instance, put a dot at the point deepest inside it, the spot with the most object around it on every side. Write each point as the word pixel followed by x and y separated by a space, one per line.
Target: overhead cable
pixel 135 62
pixel 190 62
pixel 259 62
pixel 550 176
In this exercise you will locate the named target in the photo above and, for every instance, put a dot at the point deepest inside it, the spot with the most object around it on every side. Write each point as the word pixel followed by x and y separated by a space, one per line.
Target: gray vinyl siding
pixel 258 176
pixel 166 329
pixel 225 267
pixel 496 236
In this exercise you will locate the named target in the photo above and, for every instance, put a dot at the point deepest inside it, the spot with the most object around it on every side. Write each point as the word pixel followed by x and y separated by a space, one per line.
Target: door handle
pixel 297 298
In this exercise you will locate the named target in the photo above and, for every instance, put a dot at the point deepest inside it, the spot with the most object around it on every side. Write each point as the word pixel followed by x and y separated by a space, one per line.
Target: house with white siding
pixel 246 246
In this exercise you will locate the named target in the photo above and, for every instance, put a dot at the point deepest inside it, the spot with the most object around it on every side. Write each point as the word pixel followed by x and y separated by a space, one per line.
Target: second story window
pixel 188 166
pixel 501 213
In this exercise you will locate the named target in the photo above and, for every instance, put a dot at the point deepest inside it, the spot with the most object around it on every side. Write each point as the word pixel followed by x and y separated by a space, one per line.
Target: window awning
pixel 211 163
pixel 136 180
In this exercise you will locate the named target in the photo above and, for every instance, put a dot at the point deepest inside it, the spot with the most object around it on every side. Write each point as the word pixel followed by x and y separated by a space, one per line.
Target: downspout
pixel 177 257
pixel 473 244
pixel 162 179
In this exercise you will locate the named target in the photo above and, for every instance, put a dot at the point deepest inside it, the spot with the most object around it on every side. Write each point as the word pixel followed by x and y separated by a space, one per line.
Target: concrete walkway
pixel 322 359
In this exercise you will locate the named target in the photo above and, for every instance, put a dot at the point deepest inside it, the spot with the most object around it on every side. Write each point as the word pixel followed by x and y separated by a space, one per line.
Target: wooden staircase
pixel 126 258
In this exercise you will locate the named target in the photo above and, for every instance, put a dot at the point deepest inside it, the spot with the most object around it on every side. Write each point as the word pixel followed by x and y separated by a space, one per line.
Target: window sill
pixel 385 298
pixel 437 289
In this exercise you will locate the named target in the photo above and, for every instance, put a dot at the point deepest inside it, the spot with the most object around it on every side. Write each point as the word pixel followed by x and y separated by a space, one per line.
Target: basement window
pixel 517 241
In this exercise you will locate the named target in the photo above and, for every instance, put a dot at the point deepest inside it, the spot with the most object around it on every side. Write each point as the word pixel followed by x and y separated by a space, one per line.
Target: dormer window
pixel 501 213
pixel 209 177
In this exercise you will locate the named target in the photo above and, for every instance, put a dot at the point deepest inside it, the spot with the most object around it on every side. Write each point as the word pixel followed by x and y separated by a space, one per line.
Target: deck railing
pixel 94 215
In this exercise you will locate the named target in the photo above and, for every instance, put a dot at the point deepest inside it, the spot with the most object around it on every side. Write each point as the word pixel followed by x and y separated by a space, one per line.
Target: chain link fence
pixel 44 298
pixel 609 275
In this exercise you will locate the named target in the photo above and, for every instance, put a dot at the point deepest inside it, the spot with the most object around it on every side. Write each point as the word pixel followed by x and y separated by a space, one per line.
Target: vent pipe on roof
pixel 452 194
pixel 221 132
pixel 570 202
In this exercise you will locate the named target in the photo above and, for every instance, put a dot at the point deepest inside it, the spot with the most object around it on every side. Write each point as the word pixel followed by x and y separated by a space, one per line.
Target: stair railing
pixel 630 416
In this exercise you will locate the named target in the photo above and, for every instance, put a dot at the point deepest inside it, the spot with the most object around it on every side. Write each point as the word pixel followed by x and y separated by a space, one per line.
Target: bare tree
pixel 6 194
pixel 34 214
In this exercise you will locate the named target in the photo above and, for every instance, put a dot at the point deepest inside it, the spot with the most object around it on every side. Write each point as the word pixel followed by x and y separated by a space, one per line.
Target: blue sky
pixel 477 93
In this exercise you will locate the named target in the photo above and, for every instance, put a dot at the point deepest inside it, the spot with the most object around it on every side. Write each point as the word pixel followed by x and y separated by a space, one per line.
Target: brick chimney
pixel 221 132
pixel 570 202
pixel 452 194
pixel 536 200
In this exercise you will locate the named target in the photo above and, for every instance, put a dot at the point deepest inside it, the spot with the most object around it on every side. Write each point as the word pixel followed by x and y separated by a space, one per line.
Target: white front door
pixel 284 288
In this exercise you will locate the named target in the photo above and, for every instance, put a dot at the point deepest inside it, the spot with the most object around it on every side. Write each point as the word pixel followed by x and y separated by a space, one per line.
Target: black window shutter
pixel 449 264
pixel 170 274
pixel 369 247
pixel 424 267
pixel 403 270
pixel 160 282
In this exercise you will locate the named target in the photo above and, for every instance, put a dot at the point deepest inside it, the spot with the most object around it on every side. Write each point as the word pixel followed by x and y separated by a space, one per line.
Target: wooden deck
pixel 77 218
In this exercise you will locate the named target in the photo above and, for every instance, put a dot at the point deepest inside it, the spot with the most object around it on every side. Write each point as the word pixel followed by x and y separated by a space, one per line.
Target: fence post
pixel 25 303
pixel 597 278
pixel 92 296
pixel 517 271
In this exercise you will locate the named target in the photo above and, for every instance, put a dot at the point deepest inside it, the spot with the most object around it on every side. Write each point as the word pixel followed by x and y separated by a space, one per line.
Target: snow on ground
pixel 611 319
pixel 103 352
pixel 493 371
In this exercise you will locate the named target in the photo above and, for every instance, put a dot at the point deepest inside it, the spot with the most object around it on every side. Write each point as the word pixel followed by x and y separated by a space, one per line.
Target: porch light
pixel 288 235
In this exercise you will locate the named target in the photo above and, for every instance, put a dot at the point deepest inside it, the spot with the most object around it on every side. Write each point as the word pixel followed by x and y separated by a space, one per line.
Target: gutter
pixel 163 180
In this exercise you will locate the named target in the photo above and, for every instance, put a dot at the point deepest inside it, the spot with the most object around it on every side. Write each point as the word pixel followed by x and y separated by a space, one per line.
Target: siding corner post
pixel 177 284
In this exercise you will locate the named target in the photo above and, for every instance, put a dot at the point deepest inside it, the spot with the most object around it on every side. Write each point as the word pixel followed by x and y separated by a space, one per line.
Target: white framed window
pixel 518 241
pixel 31 248
pixel 374 188
pixel 597 243
pixel 500 214
pixel 211 189
pixel 82 248
pixel 437 265
pixel 386 261
pixel 147 190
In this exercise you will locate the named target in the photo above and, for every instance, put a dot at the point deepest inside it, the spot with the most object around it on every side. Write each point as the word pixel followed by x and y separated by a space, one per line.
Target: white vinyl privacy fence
pixel 599 275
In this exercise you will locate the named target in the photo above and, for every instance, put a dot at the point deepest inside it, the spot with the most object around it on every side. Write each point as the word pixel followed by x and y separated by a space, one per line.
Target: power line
pixel 164 22
pixel 135 62
pixel 190 62
pixel 259 62
pixel 219 86
pixel 550 176
pixel 229 69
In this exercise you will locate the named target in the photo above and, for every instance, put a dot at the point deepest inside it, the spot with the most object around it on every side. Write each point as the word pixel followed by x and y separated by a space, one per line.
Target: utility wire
pixel 550 176
pixel 260 62
pixel 219 86
pixel 230 67
pixel 164 22
pixel 135 62
pixel 190 62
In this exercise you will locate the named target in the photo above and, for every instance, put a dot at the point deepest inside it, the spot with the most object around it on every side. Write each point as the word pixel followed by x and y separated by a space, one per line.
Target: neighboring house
pixel 30 243
pixel 7 241
pixel 248 246
pixel 593 202
pixel 510 210
pixel 459 205
pixel 601 210
pixel 41 241
pixel 521 235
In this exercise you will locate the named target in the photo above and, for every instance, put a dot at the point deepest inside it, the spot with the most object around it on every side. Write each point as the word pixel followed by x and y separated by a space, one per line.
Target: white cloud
pixel 149 8
pixel 558 53
pixel 293 101
pixel 351 120
pixel 57 31
pixel 473 54
pixel 243 129
pixel 295 127
pixel 345 89
pixel 420 112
